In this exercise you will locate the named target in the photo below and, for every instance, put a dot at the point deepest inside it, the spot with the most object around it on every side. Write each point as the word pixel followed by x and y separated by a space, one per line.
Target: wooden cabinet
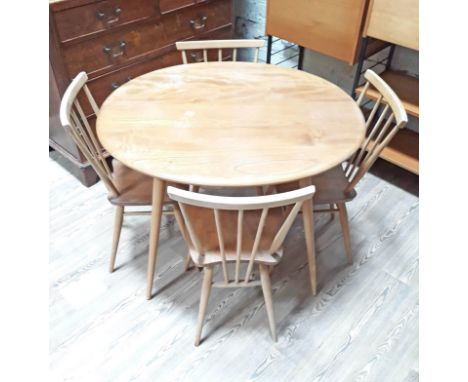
pixel 116 40
pixel 331 27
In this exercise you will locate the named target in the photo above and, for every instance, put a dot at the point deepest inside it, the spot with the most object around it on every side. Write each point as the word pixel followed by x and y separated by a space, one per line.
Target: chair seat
pixel 134 187
pixel 203 222
pixel 330 187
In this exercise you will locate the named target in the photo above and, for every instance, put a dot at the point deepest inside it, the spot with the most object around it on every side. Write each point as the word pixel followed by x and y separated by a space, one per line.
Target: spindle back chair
pixel 382 124
pixel 204 46
pixel 126 187
pixel 335 187
pixel 250 230
pixel 76 123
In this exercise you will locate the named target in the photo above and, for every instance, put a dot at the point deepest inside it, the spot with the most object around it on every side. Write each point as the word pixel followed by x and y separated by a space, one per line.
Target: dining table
pixel 232 125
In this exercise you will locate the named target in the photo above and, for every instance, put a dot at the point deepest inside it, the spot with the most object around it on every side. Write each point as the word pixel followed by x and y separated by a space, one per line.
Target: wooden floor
pixel 361 326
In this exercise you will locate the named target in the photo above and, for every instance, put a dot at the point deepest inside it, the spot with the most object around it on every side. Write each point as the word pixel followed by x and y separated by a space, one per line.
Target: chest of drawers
pixel 114 41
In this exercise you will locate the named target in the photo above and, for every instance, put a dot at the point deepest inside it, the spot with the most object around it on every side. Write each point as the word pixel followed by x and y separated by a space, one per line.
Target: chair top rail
pixel 220 44
pixel 69 97
pixel 243 202
pixel 389 95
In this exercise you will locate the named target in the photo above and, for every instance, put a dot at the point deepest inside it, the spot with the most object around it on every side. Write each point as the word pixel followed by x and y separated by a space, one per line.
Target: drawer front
pixel 113 49
pixel 197 20
pixel 102 86
pixel 103 15
pixel 172 5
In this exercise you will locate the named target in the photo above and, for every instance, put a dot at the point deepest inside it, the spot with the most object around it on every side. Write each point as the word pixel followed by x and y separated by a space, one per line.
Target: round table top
pixel 230 124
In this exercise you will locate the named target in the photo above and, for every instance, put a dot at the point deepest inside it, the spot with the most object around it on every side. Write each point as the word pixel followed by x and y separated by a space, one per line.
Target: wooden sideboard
pixel 114 41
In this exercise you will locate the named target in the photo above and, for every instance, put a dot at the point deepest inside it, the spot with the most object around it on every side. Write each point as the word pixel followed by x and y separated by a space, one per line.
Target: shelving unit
pixel 406 87
pixel 393 22
pixel 403 150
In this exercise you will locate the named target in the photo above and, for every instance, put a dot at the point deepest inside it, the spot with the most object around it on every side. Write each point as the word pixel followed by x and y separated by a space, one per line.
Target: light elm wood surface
pixel 361 326
pixel 230 124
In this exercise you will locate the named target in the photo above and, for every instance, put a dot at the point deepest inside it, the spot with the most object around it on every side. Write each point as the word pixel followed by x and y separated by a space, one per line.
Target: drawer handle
pixel 116 50
pixel 110 17
pixel 198 24
pixel 196 57
pixel 115 85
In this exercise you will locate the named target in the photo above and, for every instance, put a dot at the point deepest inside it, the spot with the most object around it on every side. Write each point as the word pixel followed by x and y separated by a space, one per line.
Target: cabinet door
pixel 395 21
pixel 331 27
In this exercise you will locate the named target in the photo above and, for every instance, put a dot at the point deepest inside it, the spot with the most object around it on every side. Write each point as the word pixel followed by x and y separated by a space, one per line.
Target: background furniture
pixel 355 31
pixel 270 125
pixel 330 27
pixel 336 186
pixel 396 22
pixel 115 40
pixel 213 50
pixel 249 230
pixel 125 186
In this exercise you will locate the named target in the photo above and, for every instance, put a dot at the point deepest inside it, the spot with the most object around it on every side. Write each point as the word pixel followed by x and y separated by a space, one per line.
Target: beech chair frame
pixel 385 119
pixel 184 46
pixel 261 204
pixel 75 122
pixel 388 122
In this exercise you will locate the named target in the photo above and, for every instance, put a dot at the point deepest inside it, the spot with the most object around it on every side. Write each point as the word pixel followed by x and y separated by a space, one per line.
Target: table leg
pixel 159 192
pixel 308 216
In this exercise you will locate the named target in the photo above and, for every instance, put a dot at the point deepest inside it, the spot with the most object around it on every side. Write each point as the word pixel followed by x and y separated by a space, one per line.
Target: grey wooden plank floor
pixel 362 325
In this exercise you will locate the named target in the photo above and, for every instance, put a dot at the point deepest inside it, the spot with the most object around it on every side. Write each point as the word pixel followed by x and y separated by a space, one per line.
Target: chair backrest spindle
pixel 219 45
pixel 240 216
pixel 258 237
pixel 219 231
pixel 257 51
pixel 393 117
pixel 75 122
pixel 236 250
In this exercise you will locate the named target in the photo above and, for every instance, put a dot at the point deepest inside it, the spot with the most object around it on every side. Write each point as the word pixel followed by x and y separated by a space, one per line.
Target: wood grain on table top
pixel 230 124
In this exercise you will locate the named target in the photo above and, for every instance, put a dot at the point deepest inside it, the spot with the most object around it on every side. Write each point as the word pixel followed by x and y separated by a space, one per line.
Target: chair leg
pixel 119 213
pixel 187 262
pixel 270 269
pixel 308 221
pixel 183 231
pixel 332 206
pixel 266 287
pixel 205 294
pixel 345 229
